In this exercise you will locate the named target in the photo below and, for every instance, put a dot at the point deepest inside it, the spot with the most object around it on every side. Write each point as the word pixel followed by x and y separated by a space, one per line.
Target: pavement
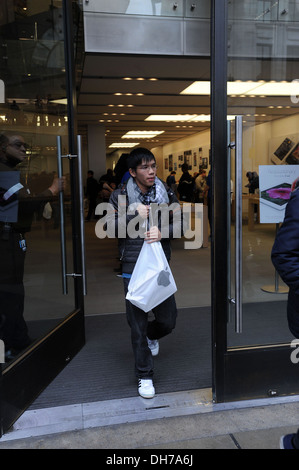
pixel 179 421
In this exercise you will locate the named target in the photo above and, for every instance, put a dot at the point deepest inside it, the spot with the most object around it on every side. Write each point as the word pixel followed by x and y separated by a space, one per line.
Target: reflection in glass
pixel 270 137
pixel 32 115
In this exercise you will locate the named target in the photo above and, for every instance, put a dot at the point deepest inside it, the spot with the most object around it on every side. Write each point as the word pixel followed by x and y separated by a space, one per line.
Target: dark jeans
pixel 164 322
pixel 13 329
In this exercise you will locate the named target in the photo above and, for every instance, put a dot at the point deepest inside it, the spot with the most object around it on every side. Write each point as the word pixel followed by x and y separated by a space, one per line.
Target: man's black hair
pixel 139 155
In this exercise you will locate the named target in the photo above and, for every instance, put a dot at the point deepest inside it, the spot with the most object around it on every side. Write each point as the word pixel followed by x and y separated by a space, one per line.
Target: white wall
pixel 258 143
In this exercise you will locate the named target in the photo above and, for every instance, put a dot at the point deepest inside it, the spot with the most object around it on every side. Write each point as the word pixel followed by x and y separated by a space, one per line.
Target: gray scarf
pixel 156 194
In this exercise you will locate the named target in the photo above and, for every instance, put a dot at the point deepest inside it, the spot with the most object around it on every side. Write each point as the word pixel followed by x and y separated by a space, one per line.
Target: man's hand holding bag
pixel 152 281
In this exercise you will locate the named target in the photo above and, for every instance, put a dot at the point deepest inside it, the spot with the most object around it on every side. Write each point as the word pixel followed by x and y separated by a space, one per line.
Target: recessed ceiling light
pixel 248 88
pixel 183 117
pixel 141 134
pixel 123 144
pixel 171 117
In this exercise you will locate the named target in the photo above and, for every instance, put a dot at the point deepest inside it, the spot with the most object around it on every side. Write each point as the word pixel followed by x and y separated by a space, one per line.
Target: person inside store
pixel 109 178
pixel 186 185
pixel 253 181
pixel 285 258
pixel 91 192
pixel 170 180
pixel 142 189
pixel 200 186
pixel 17 208
pixel 253 185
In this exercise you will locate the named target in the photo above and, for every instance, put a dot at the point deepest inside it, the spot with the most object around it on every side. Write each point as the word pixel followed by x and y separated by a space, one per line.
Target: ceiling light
pixel 248 88
pixel 171 117
pixel 123 145
pixel 183 117
pixel 141 134
pixel 61 101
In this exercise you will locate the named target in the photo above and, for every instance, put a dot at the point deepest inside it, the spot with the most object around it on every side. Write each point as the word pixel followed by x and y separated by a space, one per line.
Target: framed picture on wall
pixel 280 154
pixel 204 163
pixel 166 164
pixel 194 159
pixel 293 156
pixel 187 156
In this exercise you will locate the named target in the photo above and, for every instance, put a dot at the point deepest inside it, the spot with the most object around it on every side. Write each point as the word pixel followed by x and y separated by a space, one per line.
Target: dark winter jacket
pixel 285 257
pixel 130 247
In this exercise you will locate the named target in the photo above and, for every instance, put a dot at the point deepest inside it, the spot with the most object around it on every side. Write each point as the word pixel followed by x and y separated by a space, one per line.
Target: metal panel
pixel 136 7
pixel 197 37
pixel 139 35
pixel 35 370
pixel 198 9
pixel 259 373
pixel 219 180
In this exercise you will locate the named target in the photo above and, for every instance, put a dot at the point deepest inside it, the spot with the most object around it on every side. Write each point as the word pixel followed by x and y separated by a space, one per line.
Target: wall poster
pixel 276 184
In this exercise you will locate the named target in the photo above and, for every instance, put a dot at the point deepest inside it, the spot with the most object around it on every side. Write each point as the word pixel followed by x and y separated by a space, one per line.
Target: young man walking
pixel 142 189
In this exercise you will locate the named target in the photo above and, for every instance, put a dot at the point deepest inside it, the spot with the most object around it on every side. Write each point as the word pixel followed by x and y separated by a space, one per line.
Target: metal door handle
pixel 238 232
pixel 82 226
pixel 62 220
pixel 65 275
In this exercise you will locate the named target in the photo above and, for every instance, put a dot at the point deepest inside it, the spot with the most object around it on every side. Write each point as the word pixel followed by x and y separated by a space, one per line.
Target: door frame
pixel 23 380
pixel 239 373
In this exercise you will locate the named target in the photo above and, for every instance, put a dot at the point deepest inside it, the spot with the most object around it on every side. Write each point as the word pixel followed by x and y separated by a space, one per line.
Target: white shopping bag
pixel 152 281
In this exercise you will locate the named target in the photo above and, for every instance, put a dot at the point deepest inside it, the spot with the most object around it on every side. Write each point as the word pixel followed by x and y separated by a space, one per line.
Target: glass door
pixel 41 288
pixel 261 162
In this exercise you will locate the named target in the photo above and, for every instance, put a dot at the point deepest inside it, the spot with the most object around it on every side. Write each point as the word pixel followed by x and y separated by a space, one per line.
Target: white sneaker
pixel 153 344
pixel 146 388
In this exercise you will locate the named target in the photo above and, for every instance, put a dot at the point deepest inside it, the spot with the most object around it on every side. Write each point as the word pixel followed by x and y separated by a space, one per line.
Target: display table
pixel 252 200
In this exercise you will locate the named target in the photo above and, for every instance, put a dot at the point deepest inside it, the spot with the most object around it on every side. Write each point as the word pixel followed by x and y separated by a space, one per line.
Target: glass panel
pixel 33 111
pixel 136 7
pixel 261 69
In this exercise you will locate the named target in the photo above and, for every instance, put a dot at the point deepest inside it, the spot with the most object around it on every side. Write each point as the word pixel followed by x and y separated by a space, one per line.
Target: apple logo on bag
pixel 163 279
